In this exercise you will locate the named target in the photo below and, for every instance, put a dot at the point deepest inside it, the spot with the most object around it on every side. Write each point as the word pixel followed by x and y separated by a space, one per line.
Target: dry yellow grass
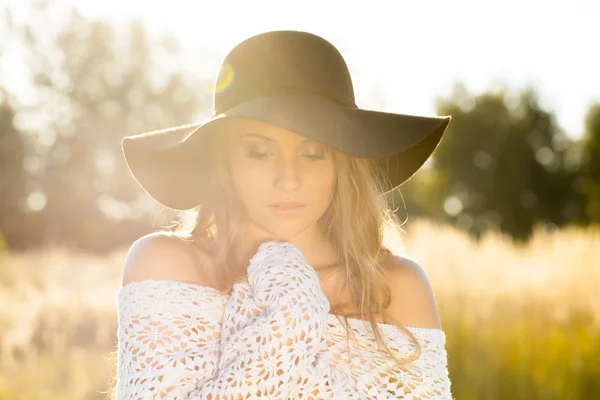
pixel 522 320
pixel 560 269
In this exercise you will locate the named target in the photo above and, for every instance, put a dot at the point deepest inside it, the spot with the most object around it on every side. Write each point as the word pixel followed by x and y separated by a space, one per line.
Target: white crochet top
pixel 271 338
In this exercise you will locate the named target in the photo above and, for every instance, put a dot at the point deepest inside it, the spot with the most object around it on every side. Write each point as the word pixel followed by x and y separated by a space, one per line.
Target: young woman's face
pixel 284 180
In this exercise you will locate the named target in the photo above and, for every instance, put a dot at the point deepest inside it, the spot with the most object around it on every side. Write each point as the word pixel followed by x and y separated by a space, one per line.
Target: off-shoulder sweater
pixel 269 338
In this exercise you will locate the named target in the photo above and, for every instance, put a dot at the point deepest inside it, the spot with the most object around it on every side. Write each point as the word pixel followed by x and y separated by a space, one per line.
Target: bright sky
pixel 403 54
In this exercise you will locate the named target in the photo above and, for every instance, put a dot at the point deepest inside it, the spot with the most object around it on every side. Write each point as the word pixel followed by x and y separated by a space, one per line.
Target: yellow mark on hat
pixel 224 78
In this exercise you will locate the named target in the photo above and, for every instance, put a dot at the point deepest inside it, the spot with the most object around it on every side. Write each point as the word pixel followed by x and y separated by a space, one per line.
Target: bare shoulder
pixel 413 301
pixel 162 255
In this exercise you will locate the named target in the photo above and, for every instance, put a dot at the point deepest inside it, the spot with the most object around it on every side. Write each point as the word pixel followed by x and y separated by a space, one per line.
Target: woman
pixel 284 263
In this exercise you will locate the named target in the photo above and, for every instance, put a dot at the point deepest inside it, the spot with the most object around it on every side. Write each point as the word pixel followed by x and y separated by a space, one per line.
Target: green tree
pixel 13 231
pixel 96 83
pixel 501 165
pixel 590 173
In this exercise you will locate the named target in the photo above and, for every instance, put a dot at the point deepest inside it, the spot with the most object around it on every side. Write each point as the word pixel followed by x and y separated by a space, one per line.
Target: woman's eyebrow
pixel 259 136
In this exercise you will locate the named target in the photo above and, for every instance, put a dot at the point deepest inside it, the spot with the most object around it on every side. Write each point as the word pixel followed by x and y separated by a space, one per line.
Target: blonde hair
pixel 354 223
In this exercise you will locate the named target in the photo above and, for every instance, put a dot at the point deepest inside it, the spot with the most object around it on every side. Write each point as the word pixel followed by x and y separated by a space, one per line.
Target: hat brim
pixel 171 165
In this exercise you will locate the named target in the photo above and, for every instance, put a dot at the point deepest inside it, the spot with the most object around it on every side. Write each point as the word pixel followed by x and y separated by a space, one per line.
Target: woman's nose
pixel 287 174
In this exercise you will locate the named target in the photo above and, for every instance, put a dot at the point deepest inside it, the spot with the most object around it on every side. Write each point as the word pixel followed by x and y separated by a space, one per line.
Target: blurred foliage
pixel 521 323
pixel 504 163
pixel 590 176
pixel 94 84
pixel 13 230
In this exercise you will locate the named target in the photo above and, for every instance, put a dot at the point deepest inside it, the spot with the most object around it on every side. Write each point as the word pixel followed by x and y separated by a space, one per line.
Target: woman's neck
pixel 317 249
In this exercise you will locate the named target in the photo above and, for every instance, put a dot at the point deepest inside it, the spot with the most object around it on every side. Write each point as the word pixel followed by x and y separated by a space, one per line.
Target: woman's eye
pixel 315 154
pixel 257 154
pixel 257 151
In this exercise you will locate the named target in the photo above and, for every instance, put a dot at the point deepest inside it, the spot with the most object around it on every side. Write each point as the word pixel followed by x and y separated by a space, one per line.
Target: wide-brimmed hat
pixel 294 80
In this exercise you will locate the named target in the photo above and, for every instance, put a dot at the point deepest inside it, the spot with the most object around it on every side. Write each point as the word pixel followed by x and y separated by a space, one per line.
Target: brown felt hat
pixel 294 80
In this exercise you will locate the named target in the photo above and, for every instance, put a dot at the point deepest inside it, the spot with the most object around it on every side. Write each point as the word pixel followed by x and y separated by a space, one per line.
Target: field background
pixel 521 322
pixel 522 151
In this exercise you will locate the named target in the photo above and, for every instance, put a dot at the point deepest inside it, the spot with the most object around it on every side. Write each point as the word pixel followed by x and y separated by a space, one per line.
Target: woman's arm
pixel 273 286
pixel 271 356
pixel 274 356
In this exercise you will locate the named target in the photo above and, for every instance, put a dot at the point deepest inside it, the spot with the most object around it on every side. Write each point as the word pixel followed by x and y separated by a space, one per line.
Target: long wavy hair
pixel 354 223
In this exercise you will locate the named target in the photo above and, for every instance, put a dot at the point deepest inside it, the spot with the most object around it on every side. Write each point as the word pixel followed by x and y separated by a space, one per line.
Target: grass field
pixel 521 322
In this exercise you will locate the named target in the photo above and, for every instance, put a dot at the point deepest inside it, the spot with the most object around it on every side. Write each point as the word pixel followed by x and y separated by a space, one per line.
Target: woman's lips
pixel 287 209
